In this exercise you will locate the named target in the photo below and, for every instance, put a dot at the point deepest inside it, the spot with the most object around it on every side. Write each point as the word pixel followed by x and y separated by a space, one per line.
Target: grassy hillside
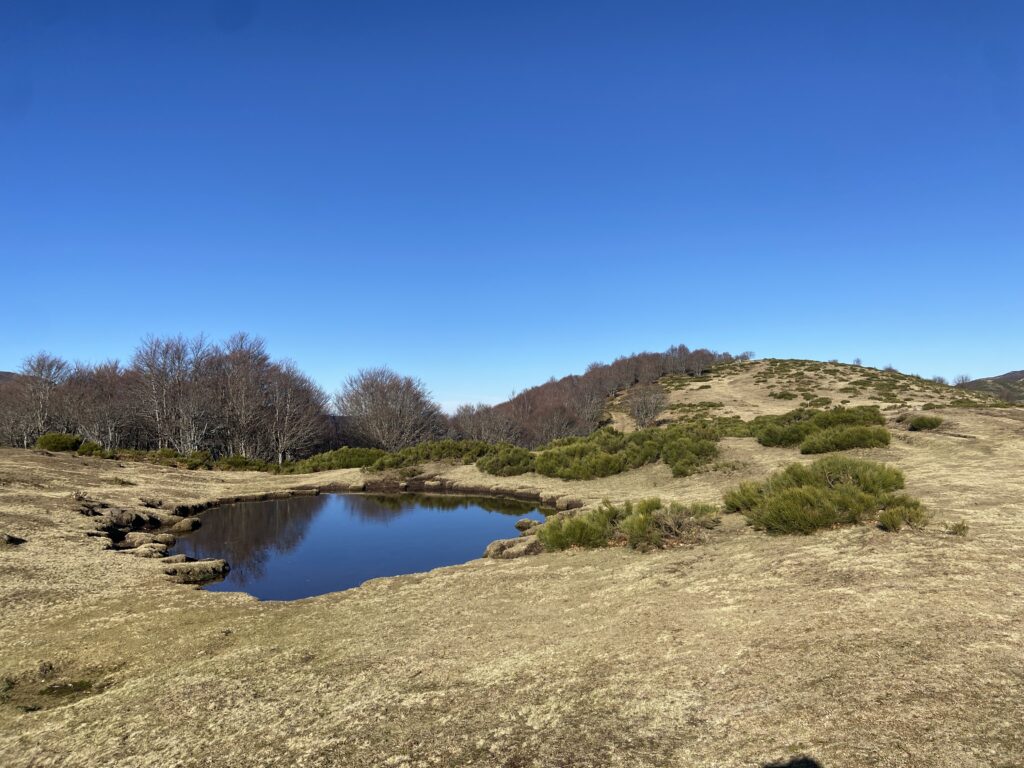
pixel 1008 387
pixel 771 387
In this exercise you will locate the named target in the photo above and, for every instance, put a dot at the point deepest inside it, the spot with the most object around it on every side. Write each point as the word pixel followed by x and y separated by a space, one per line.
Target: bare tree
pixel 644 403
pixel 962 380
pixel 483 422
pixel 16 419
pixel 297 420
pixel 388 410
pixel 42 374
pixel 243 373
pixel 99 404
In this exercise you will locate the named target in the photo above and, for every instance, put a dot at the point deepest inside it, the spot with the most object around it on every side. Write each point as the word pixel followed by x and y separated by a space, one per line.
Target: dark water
pixel 309 545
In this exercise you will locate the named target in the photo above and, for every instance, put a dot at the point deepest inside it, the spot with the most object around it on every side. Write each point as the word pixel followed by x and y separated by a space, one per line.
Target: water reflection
pixel 307 545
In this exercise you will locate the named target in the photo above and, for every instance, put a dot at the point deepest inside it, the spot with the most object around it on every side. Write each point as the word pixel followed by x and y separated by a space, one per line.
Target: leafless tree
pixel 940 380
pixel 242 368
pixel 644 402
pixel 483 422
pixel 99 402
pixel 16 419
pixel 297 412
pixel 42 374
pixel 962 380
pixel 388 410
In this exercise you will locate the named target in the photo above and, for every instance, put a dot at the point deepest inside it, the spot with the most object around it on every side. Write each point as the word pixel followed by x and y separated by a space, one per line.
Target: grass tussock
pixel 922 423
pixel 642 525
pixel 835 490
pixel 958 528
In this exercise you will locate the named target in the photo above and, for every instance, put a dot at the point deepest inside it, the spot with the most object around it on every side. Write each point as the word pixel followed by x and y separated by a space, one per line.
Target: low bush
pixel 341 458
pixel 461 451
pixel 90 448
pixel 242 463
pixel 921 423
pixel 58 441
pixel 845 439
pixel 685 447
pixel 506 460
pixel 831 491
pixel 903 510
pixel 793 428
pixel 199 460
pixel 641 525
pixel 783 395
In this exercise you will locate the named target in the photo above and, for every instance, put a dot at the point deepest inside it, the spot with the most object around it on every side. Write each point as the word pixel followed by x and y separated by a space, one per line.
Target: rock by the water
pixel 508 549
pixel 187 525
pixel 136 539
pixel 149 550
pixel 526 524
pixel 198 571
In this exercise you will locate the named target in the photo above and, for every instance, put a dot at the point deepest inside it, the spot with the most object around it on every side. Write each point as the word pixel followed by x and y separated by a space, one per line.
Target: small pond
pixel 309 545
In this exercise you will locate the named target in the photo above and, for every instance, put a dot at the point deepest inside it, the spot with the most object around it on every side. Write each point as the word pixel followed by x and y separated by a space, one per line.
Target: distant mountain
pixel 1009 386
pixel 5 375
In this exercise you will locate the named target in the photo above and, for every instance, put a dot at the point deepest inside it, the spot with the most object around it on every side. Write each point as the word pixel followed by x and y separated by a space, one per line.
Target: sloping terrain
pixel 1009 386
pixel 852 646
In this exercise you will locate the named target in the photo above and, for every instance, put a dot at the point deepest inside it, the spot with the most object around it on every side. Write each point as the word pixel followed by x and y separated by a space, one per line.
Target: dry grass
pixel 854 646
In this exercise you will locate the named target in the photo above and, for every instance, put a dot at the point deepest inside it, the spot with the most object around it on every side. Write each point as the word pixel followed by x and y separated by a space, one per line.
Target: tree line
pixel 231 399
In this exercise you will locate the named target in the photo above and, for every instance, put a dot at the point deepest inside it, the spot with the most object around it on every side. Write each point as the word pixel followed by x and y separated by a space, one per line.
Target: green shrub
pixel 341 458
pixel 242 463
pixel 783 395
pixel 920 423
pixel 461 451
pixel 90 448
pixel 58 441
pixel 641 525
pixel 685 447
pixel 199 460
pixel 793 428
pixel 845 439
pixel 902 510
pixel 831 491
pixel 506 460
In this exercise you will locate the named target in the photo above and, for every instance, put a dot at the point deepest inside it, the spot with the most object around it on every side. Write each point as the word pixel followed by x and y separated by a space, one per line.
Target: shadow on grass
pixel 796 762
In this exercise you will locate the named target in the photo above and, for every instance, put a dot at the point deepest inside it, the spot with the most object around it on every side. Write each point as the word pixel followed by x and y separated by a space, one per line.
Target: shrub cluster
pixel 462 451
pixel 831 491
pixel 341 458
pixel 685 447
pixel 58 441
pixel 90 448
pixel 506 460
pixel 641 525
pixel 818 431
pixel 844 439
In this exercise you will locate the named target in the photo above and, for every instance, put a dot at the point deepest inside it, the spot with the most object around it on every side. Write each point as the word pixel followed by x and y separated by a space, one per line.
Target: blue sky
pixel 488 194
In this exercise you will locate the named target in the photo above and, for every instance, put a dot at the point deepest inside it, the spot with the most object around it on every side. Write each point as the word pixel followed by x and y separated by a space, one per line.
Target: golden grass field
pixel 854 646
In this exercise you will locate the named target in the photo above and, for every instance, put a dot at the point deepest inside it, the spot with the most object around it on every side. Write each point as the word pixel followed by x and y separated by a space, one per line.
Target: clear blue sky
pixel 486 194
